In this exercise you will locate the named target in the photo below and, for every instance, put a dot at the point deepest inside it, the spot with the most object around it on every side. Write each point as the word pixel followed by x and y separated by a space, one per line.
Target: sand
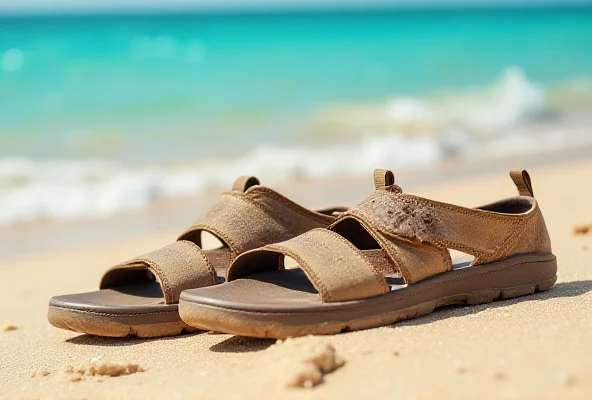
pixel 538 346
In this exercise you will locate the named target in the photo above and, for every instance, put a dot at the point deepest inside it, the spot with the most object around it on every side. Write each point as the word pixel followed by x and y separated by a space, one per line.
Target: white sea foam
pixel 404 132
pixel 66 190
pixel 509 100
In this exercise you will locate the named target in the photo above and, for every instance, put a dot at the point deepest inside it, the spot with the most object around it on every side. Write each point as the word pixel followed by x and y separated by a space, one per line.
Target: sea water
pixel 104 114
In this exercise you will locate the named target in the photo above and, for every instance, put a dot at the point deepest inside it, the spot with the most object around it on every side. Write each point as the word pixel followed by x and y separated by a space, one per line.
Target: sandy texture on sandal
pixel 532 347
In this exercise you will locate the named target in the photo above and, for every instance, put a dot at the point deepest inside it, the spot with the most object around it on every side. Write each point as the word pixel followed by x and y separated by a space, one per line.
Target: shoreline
pixel 34 192
pixel 174 215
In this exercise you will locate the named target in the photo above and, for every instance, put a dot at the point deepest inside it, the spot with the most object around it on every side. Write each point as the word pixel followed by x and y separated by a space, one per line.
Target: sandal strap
pixel 251 219
pixel 414 261
pixel 416 233
pixel 486 235
pixel 338 270
pixel 178 266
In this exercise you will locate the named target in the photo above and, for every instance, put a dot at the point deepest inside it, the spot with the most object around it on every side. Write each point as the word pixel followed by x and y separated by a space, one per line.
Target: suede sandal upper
pixel 385 260
pixel 413 234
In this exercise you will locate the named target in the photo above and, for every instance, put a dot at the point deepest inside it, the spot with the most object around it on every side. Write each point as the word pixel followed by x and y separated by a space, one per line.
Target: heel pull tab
pixel 522 181
pixel 243 183
pixel 385 180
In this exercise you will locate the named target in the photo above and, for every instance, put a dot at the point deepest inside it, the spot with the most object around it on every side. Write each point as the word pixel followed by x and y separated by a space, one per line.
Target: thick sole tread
pixel 242 322
pixel 109 325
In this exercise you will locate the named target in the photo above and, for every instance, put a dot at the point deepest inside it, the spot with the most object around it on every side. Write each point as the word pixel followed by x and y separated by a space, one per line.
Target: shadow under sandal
pixel 140 297
pixel 384 261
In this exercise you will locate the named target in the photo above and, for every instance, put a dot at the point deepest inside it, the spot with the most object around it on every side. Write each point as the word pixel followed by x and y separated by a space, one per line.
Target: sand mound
pixel 318 360
pixel 8 328
pixel 103 370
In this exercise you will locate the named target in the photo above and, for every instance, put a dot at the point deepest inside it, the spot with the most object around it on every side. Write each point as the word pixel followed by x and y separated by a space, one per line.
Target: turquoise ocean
pixel 104 114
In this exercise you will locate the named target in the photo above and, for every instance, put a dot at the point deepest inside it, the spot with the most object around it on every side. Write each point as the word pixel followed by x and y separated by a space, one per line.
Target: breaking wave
pixel 398 133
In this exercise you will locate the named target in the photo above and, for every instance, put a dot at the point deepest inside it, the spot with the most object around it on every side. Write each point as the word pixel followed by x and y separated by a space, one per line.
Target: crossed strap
pixel 413 235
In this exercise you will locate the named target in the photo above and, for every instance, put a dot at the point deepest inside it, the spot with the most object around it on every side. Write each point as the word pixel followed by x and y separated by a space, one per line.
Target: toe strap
pixel 177 266
pixel 338 270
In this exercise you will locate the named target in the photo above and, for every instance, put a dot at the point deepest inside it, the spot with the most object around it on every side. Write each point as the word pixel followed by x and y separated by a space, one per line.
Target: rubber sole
pixel 118 325
pixel 518 276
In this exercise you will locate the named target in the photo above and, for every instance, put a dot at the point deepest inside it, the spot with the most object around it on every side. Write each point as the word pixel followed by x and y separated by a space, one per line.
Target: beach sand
pixel 538 346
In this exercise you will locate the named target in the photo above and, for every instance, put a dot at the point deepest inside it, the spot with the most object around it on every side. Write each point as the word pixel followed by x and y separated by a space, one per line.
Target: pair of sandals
pixel 385 260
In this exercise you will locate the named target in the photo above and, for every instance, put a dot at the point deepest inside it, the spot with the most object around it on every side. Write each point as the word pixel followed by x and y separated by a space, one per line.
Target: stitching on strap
pixel 216 232
pixel 324 219
pixel 413 202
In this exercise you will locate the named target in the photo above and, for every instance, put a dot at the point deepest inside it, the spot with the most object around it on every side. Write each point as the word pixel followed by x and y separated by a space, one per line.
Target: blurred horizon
pixel 14 8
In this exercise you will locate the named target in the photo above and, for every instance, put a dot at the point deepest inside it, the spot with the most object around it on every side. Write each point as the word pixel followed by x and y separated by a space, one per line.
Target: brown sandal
pixel 140 297
pixel 384 261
